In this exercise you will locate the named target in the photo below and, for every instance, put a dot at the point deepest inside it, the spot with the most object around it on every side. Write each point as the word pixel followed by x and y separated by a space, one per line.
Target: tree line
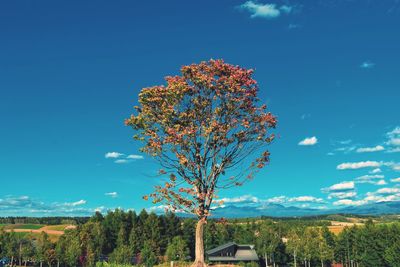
pixel 43 220
pixel 149 239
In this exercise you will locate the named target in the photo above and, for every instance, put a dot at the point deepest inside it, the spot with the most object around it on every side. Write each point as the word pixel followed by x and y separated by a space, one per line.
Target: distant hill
pixel 277 210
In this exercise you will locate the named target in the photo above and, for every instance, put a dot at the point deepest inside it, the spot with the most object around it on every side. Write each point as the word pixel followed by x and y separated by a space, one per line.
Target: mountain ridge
pixel 277 210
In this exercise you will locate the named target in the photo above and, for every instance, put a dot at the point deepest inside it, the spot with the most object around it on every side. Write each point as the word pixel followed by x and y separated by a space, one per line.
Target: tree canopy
pixel 200 126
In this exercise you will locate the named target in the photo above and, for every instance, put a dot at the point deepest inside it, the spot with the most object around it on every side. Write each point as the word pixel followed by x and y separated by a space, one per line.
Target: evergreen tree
pixel 177 249
pixel 73 249
pixel 121 255
pixel 147 254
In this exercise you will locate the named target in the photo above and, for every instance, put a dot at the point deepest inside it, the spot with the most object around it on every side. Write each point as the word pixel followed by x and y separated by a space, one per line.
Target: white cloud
pixel 367 65
pixel 287 9
pixel 112 194
pixel 346 149
pixel 343 186
pixel 309 141
pixel 377 198
pixel 379 182
pixel 345 142
pixel 15 206
pixel 376 170
pixel 305 199
pixel 121 161
pixel 395 132
pixel 135 157
pixel 358 165
pixel 349 202
pixel 241 199
pixel 393 140
pixel 268 11
pixel 77 203
pixel 369 177
pixel 387 190
pixel 280 199
pixel 252 200
pixel 393 150
pixel 113 155
pixel 383 194
pixel 342 195
pixel 395 166
pixel 121 158
pixel 395 180
pixel 370 149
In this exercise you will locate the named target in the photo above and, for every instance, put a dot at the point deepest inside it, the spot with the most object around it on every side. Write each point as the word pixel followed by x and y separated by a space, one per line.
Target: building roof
pixel 242 253
pixel 224 246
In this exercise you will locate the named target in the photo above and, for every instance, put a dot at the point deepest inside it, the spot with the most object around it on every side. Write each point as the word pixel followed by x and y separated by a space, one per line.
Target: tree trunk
pixel 266 260
pixel 322 263
pixel 199 251
pixel 295 262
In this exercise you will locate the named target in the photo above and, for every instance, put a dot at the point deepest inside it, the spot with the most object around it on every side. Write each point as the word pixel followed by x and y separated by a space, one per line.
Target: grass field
pixel 34 230
pixel 61 227
pixel 24 226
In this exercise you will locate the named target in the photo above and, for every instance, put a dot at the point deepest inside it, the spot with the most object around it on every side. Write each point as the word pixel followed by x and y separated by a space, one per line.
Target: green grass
pixel 60 227
pixel 26 226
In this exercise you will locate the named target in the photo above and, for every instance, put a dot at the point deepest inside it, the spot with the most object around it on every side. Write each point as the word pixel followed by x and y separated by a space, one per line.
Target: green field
pixel 24 226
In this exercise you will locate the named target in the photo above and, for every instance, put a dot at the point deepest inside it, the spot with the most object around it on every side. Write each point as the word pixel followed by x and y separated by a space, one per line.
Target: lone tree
pixel 208 131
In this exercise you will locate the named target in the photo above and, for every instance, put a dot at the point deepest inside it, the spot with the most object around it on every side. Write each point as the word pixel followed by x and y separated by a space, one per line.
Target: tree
pixel 92 240
pixel 201 126
pixel 267 241
pixel 177 249
pixel 325 252
pixel 121 255
pixel 10 245
pixel 44 249
pixel 152 231
pixel 73 249
pixel 60 249
pixel 26 249
pixel 148 255
pixel 294 244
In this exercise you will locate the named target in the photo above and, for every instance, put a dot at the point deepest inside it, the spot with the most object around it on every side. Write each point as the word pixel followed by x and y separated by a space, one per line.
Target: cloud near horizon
pixel 17 205
pixel 250 200
pixel 339 187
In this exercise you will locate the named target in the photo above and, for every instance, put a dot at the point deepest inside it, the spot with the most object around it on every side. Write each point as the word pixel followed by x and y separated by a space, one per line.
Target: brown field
pixel 54 231
pixel 337 227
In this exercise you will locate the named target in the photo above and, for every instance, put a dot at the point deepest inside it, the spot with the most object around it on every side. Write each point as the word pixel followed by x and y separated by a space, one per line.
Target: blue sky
pixel 70 72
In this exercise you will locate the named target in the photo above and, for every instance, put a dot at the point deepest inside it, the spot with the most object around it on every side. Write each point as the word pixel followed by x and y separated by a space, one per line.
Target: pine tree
pixel 177 249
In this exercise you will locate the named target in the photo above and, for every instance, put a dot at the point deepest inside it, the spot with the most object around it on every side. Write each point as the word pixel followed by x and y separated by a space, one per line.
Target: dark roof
pixel 224 246
pixel 242 253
